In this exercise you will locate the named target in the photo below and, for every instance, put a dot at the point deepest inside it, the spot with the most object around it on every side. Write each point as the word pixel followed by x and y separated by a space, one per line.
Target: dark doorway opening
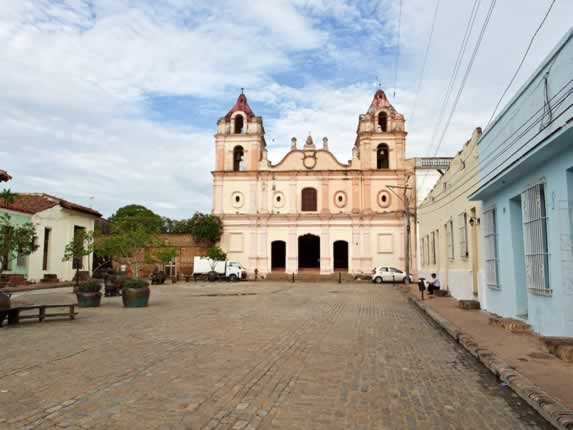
pixel 340 249
pixel 278 256
pixel 308 252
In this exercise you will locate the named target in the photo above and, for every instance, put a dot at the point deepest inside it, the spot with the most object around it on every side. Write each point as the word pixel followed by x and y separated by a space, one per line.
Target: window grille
pixel 450 236
pixel 463 228
pixel 490 247
pixel 535 238
pixel 308 200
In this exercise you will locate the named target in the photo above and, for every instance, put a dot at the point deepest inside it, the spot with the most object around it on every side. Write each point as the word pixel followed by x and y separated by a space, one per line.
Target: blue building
pixel 526 189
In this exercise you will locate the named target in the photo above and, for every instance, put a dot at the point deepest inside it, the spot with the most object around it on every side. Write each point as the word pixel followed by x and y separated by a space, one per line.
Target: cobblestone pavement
pixel 249 356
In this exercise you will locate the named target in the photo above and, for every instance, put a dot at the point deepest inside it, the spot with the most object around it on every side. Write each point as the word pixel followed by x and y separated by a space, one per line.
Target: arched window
pixel 238 159
pixel 308 202
pixel 383 121
pixel 239 124
pixel 382 157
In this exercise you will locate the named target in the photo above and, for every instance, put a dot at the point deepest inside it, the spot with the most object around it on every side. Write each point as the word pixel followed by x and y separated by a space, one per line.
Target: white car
pixel 388 274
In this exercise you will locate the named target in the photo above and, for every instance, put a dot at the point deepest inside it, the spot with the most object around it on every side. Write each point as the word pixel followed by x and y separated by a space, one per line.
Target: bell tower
pixel 381 136
pixel 240 141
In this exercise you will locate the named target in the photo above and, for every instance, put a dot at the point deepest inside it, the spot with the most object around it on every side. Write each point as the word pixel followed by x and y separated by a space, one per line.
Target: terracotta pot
pixel 88 300
pixel 135 297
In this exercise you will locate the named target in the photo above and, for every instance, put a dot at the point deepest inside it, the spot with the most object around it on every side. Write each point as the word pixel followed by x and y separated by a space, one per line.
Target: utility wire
pixel 453 77
pixel 521 62
pixel 504 148
pixel 558 99
pixel 421 78
pixel 466 75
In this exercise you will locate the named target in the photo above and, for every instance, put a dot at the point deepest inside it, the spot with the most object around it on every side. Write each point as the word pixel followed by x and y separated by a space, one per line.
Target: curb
pixel 548 407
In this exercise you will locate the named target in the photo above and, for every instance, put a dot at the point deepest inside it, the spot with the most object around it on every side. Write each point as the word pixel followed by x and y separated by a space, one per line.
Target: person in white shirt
pixel 433 285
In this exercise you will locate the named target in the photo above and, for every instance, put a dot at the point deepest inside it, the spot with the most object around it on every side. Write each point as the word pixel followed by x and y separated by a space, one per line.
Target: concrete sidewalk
pixel 541 379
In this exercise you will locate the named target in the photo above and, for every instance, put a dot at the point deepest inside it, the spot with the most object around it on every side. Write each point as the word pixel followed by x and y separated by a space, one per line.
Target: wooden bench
pixel 14 313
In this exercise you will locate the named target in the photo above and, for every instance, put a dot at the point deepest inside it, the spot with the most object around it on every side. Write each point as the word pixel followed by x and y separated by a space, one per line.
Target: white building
pixel 56 221
pixel 311 212
pixel 449 227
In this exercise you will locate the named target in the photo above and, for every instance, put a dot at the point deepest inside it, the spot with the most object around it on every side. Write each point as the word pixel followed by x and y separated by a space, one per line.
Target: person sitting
pixel 433 284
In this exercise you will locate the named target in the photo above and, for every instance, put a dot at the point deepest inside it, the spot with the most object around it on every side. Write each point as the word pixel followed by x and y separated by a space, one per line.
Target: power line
pixel 453 76
pixel 488 176
pixel 466 75
pixel 421 78
pixel 397 58
pixel 501 149
pixel 521 62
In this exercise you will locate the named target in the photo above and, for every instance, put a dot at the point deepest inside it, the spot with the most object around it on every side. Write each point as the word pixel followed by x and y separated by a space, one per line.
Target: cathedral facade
pixel 311 212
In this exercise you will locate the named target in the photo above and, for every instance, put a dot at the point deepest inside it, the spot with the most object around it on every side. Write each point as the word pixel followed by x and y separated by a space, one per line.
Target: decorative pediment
pixel 309 159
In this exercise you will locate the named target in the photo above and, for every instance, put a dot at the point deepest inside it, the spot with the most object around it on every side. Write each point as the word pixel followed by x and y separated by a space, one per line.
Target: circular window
pixel 384 199
pixel 278 200
pixel 340 199
pixel 237 199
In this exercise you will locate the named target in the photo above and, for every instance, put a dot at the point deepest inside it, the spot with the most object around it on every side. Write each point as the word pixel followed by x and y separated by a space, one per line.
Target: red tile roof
pixel 4 176
pixel 241 105
pixel 33 203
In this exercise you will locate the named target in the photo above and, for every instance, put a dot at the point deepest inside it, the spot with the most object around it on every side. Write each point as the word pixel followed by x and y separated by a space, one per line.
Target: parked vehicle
pixel 388 274
pixel 206 269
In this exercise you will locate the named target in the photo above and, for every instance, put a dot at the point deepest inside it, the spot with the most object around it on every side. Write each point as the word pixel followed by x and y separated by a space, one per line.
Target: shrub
pixel 92 286
pixel 135 283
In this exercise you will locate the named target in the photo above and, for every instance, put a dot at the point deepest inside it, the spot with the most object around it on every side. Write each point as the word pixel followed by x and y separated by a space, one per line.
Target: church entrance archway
pixel 308 252
pixel 340 254
pixel 278 256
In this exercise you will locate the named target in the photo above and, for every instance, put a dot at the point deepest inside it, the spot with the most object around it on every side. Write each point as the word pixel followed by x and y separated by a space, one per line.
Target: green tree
pixel 15 240
pixel 206 228
pixel 126 244
pixel 163 254
pixel 136 217
pixel 215 253
pixel 81 245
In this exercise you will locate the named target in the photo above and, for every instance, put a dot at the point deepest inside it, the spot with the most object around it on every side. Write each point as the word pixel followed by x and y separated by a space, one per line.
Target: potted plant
pixel 88 294
pixel 135 293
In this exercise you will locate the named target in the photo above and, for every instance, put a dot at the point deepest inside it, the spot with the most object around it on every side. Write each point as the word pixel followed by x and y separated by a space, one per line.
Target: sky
pixel 115 102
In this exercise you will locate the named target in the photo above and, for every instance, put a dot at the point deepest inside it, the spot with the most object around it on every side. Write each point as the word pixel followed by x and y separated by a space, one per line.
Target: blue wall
pixel 549 315
pixel 531 142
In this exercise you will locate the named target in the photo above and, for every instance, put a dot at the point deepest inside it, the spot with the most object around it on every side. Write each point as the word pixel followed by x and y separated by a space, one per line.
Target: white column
pixel 293 198
pixel 264 195
pixel 292 251
pixel 326 265
pixel 366 262
pixel 355 246
pixel 263 264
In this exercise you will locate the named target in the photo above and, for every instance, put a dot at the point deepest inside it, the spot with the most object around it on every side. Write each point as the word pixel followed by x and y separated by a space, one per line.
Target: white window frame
pixel 428 249
pixel 450 239
pixel 535 239
pixel 463 229
pixel 490 247
pixel 433 248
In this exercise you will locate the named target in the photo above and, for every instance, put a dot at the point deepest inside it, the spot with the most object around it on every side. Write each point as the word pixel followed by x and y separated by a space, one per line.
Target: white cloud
pixel 75 76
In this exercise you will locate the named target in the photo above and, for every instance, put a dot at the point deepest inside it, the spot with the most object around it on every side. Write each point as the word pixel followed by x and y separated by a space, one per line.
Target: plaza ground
pixel 249 356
